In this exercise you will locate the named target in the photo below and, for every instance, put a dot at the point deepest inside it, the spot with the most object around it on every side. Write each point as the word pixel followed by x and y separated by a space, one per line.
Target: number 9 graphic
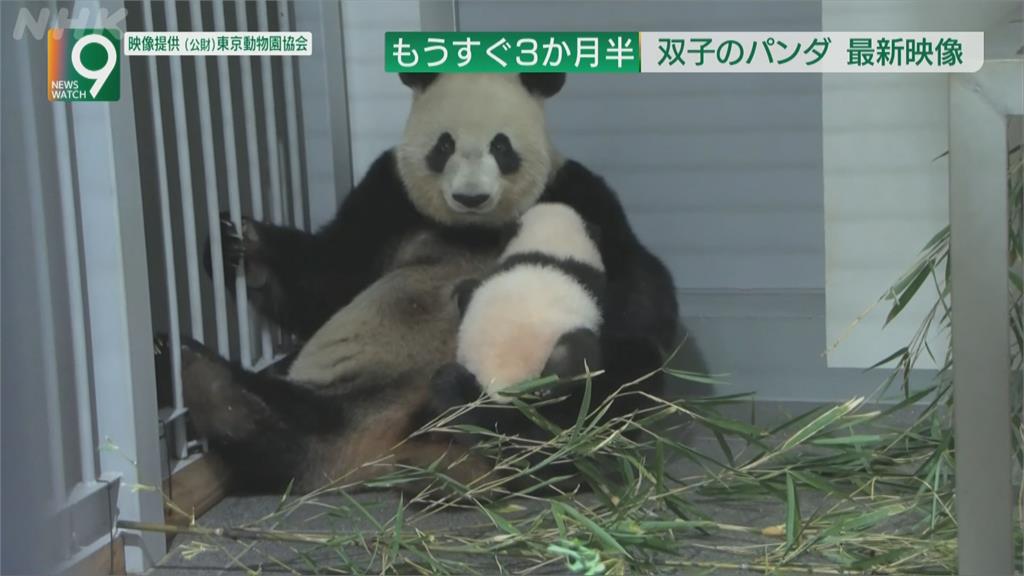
pixel 99 77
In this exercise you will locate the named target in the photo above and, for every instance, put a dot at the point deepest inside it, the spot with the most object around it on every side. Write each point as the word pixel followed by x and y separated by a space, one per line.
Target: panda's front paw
pixel 238 248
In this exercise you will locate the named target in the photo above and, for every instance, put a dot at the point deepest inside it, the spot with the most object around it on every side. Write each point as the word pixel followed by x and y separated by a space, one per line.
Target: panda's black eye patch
pixel 441 152
pixel 506 156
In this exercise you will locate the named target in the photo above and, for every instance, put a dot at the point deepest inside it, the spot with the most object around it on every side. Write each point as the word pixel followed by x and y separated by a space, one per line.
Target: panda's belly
pixel 405 321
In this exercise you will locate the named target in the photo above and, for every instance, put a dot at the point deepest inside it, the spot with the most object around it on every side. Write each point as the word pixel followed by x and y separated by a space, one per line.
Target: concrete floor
pixel 239 511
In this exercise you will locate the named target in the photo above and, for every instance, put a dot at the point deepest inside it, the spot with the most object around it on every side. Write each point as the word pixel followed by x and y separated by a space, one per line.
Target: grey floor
pixel 237 557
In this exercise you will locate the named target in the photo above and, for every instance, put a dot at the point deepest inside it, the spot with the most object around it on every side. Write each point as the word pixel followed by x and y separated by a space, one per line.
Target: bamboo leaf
pixel 792 512
pixel 724 445
pixel 852 440
pixel 598 532
pixel 902 352
pixel 820 423
pixel 908 293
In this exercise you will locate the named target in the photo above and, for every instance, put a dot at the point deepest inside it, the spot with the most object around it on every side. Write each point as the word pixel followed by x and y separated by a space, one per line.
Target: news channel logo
pixel 83 65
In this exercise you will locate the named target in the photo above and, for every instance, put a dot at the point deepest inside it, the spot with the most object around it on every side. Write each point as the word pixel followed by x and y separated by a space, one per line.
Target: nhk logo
pixel 83 65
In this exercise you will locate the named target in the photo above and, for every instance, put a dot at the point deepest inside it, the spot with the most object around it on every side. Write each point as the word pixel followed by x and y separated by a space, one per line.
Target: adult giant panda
pixel 371 292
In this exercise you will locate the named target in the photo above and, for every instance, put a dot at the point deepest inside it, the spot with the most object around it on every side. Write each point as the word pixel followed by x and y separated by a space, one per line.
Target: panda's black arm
pixel 307 407
pixel 299 279
pixel 641 297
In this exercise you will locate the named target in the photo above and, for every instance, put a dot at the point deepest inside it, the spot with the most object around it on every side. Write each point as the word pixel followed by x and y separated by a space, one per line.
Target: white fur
pixel 556 230
pixel 515 318
pixel 473 108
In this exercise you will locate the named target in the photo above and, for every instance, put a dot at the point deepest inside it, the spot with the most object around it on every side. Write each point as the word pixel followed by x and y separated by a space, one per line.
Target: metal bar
pixel 79 350
pixel 980 330
pixel 292 121
pixel 69 217
pixel 120 321
pixel 270 114
pixel 252 155
pixel 234 195
pixel 167 239
pixel 325 128
pixel 437 16
pixel 210 188
pixel 51 385
pixel 188 215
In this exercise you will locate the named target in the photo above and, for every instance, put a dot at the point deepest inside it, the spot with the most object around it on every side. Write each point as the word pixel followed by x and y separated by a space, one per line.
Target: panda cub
pixel 539 313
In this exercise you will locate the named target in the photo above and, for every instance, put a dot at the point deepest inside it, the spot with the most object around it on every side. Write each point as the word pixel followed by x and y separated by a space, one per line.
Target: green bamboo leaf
pixel 697 377
pixel 852 440
pixel 814 481
pixel 792 512
pixel 724 445
pixel 584 409
pixel 535 417
pixel 907 278
pixel 362 510
pixel 820 423
pixel 529 386
pixel 501 522
pixel 659 465
pixel 397 531
pixel 663 525
pixel 733 426
pixel 598 532
pixel 940 236
pixel 902 352
pixel 559 522
pixel 908 293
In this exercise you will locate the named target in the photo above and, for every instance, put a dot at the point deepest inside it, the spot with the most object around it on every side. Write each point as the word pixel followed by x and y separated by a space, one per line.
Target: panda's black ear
pixel 417 80
pixel 544 84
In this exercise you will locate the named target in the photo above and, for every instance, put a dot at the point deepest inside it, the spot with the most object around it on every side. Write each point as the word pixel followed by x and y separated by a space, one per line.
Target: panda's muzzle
pixel 471 201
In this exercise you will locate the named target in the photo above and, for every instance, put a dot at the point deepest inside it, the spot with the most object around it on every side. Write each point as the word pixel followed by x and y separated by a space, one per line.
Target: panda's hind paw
pixel 453 385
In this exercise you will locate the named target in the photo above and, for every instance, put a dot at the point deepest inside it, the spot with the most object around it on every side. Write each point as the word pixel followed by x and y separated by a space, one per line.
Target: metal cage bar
pixel 292 121
pixel 270 119
pixel 234 195
pixel 51 384
pixel 252 155
pixel 80 358
pixel 210 188
pixel 195 302
pixel 176 418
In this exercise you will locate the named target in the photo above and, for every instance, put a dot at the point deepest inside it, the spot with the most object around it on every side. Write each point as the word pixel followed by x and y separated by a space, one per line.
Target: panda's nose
pixel 471 200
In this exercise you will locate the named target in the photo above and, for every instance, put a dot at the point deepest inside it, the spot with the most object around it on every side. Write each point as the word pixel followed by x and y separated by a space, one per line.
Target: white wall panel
pixel 886 193
pixel 378 102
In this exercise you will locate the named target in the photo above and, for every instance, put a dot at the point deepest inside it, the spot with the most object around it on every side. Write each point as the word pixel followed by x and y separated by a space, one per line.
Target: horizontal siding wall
pixel 721 174
pixel 378 102
pixel 721 177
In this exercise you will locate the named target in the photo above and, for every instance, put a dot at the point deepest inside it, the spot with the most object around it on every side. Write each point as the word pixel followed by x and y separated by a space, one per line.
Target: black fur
pixel 307 277
pixel 463 293
pixel 543 84
pixel 310 276
pixel 417 80
pixel 299 280
pixel 592 279
pixel 505 156
pixel 440 153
